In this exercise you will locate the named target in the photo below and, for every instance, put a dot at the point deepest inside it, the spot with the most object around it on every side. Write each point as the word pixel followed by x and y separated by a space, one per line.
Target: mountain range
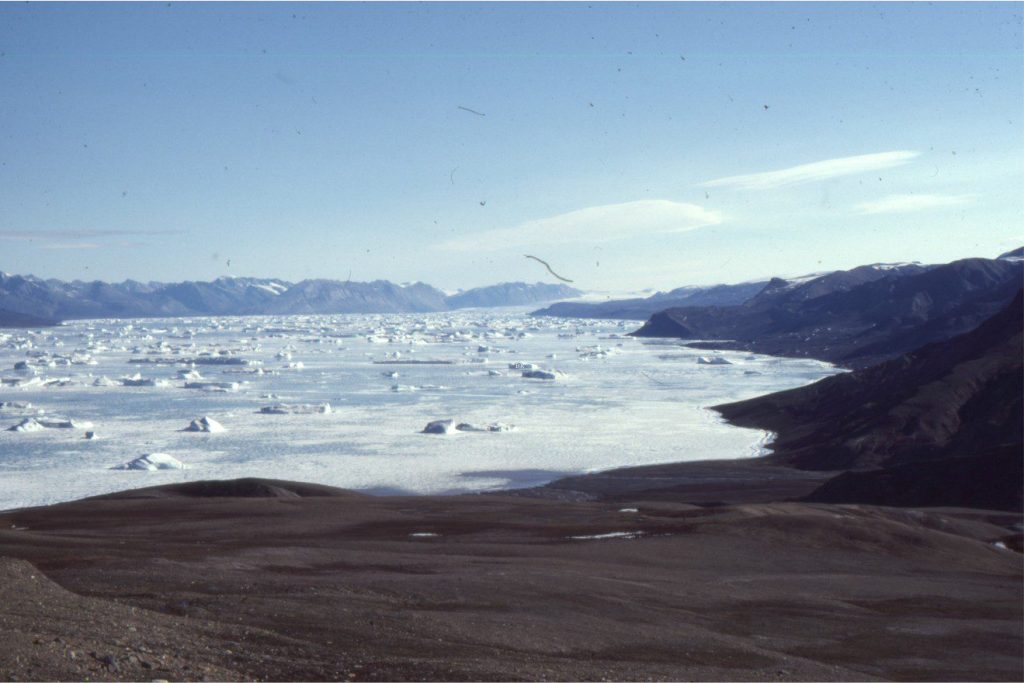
pixel 31 301
pixel 856 317
pixel 642 308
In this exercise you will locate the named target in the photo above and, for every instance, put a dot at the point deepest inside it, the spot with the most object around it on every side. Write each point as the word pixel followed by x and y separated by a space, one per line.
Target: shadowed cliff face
pixel 854 318
pixel 955 399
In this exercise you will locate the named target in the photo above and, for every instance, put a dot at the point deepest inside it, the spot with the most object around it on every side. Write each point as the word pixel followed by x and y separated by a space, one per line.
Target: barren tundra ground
pixel 218 584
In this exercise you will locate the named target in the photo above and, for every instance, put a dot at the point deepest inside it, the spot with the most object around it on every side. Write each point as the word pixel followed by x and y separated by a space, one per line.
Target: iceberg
pixel 440 427
pixel 296 409
pixel 27 425
pixel 205 424
pixel 152 462
pixel 493 427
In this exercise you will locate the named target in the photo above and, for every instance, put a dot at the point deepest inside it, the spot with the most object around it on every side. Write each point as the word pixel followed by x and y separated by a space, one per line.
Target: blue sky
pixel 630 145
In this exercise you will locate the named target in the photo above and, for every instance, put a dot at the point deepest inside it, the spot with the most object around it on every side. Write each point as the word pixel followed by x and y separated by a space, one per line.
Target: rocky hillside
pixel 943 423
pixel 854 318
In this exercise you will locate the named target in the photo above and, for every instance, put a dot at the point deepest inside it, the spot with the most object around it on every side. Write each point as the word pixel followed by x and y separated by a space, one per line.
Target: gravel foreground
pixel 256 580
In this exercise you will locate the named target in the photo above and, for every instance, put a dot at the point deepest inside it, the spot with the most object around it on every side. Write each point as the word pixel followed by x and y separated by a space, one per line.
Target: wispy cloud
pixel 819 170
pixel 908 203
pixel 71 245
pixel 59 239
pixel 593 224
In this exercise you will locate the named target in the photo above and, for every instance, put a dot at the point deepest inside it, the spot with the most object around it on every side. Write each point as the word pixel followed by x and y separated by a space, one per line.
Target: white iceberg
pixel 27 425
pixel 152 462
pixel 712 360
pixel 205 424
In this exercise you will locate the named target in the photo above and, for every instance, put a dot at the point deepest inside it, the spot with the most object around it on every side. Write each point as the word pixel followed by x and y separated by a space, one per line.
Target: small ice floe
pixel 58 423
pixel 423 534
pixel 214 386
pixel 712 360
pixel 15 405
pixel 91 436
pixel 105 381
pixel 152 462
pixel 610 534
pixel 27 425
pixel 190 375
pixel 36 424
pixel 297 409
pixel 543 374
pixel 495 373
pixel 34 381
pixel 205 424
pixel 629 510
pixel 392 374
pixel 493 427
pixel 404 387
pixel 1000 545
pixel 751 372
pixel 440 427
pixel 138 380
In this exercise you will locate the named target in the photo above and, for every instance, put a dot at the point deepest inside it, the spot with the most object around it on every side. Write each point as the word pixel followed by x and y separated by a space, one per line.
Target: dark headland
pixel 880 540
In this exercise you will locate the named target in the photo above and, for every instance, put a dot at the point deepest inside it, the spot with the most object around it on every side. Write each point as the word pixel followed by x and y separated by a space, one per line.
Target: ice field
pixel 343 400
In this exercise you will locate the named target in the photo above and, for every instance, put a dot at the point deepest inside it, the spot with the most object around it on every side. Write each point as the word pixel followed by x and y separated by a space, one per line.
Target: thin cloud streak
pixel 819 170
pixel 55 235
pixel 592 225
pixel 909 203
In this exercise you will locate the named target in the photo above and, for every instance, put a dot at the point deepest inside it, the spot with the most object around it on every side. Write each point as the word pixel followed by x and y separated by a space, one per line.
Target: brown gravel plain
pixel 276 581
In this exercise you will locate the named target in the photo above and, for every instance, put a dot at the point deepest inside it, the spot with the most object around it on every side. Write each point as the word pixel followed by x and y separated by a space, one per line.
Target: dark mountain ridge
pixel 854 318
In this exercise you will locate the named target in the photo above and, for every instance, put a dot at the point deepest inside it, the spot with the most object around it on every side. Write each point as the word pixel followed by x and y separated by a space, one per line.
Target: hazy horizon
pixel 633 147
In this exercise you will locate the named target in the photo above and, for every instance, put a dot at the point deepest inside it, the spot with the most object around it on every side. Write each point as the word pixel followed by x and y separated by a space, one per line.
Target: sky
pixel 631 146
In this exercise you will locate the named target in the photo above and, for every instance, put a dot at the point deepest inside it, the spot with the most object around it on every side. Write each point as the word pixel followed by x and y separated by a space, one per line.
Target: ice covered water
pixel 343 400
